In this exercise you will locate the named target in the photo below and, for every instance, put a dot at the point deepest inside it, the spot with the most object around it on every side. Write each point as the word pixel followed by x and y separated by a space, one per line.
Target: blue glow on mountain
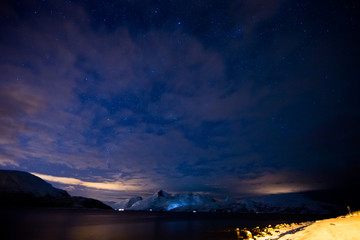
pixel 174 205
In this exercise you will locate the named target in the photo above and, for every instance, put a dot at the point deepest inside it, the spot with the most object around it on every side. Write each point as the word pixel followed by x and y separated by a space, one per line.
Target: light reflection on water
pixel 99 224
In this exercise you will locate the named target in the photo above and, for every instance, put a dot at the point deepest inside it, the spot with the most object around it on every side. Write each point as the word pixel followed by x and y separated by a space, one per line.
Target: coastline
pixel 345 227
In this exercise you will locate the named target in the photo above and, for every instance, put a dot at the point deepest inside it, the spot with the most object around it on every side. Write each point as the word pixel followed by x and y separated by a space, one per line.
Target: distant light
pixel 121 209
pixel 150 210
pixel 194 211
pixel 238 232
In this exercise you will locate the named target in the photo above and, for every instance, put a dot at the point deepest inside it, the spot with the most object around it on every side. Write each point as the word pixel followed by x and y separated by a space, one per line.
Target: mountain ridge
pixel 292 203
pixel 23 189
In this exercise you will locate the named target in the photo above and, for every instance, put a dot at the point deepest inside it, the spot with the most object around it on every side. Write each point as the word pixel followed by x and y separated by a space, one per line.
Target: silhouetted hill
pixel 23 189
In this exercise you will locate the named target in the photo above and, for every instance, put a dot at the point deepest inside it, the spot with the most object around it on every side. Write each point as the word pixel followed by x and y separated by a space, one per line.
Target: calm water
pixel 99 224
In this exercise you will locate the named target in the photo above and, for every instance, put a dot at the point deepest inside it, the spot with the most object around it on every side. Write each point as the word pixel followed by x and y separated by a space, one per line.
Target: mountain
pixel 163 201
pixel 19 188
pixel 132 201
pixel 157 202
pixel 295 203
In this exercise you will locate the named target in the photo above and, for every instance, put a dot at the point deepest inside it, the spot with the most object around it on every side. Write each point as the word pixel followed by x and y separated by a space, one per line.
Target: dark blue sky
pixel 111 99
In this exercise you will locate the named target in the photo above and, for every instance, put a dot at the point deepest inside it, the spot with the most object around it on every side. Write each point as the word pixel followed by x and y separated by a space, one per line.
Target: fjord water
pixel 99 224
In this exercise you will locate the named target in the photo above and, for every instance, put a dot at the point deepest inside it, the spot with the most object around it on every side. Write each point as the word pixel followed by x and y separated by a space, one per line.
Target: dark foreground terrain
pixel 107 224
pixel 23 189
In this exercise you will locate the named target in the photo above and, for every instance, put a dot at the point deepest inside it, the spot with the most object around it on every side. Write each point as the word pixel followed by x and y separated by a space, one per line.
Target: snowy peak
pixel 164 194
pixel 132 201
pixel 157 202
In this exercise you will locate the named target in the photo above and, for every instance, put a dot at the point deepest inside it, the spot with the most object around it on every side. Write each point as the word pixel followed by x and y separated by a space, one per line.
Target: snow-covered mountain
pixel 281 203
pixel 163 201
pixel 284 203
pixel 19 188
pixel 132 201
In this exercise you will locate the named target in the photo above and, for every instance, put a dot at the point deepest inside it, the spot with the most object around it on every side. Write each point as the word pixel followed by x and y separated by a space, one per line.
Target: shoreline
pixel 341 227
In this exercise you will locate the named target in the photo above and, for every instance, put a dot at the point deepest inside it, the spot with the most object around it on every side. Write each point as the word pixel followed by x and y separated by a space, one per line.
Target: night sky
pixel 111 99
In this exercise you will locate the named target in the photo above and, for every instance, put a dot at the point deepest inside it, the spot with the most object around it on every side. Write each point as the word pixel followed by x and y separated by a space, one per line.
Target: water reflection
pixel 92 224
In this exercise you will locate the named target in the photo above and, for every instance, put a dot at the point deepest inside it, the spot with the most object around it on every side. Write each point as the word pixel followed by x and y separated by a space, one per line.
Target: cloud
pixel 282 181
pixel 70 97
pixel 5 161
pixel 16 102
pixel 157 101
pixel 115 186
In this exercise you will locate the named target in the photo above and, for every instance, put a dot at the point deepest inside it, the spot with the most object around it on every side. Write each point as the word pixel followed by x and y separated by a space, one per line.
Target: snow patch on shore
pixel 343 227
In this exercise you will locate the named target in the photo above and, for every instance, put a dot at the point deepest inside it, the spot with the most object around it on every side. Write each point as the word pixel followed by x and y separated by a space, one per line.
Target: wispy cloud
pixel 6 161
pixel 115 186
